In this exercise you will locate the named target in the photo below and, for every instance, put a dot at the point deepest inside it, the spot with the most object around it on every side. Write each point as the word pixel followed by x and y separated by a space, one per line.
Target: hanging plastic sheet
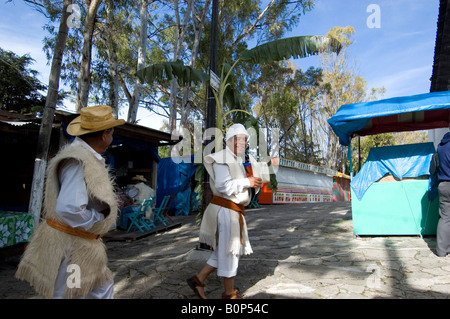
pixel 401 161
pixel 397 114
pixel 174 179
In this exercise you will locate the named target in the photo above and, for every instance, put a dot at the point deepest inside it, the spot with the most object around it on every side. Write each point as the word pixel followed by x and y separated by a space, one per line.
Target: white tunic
pixel 225 262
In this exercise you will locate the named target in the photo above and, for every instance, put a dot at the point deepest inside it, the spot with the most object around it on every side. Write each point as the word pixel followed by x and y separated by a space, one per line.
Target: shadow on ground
pixel 300 251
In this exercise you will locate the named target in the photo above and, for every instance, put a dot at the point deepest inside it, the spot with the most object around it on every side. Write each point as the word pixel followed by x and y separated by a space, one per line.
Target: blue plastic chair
pixel 254 202
pixel 136 215
pixel 145 204
pixel 159 211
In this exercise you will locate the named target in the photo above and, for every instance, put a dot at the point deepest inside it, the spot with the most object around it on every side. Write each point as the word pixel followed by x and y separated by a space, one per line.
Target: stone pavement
pixel 300 251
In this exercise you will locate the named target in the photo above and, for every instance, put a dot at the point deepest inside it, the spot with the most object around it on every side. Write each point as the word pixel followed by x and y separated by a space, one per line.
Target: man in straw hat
pixel 224 216
pixel 66 257
pixel 140 191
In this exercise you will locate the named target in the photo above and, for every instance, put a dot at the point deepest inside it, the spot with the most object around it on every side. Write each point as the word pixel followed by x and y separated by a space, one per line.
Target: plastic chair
pixel 145 205
pixel 136 215
pixel 132 215
pixel 254 202
pixel 159 211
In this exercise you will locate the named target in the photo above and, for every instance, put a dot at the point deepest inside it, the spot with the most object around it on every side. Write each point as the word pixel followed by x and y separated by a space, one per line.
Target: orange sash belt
pixel 223 202
pixel 71 231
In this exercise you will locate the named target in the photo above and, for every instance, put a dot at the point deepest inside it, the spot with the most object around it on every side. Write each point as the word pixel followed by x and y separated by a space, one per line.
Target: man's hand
pixel 255 182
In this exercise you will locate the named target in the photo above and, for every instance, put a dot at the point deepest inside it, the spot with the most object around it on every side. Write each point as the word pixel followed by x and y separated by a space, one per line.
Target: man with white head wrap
pixel 223 225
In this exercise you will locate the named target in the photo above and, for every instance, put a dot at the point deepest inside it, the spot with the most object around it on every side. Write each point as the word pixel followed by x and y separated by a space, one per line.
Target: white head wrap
pixel 235 129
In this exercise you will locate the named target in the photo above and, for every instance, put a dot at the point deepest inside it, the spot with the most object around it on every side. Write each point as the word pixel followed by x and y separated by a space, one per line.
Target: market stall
pixel 390 192
pixel 386 200
pixel 15 228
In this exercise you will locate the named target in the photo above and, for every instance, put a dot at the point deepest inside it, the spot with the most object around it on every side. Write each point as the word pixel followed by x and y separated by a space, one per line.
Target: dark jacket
pixel 443 151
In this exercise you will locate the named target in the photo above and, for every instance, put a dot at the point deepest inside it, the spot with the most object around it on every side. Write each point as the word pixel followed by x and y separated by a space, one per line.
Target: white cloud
pixel 407 82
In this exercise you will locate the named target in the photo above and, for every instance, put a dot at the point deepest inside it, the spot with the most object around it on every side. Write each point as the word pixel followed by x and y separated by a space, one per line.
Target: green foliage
pixel 19 87
pixel 239 22
pixel 290 105
pixel 295 47
pixel 169 70
pixel 361 145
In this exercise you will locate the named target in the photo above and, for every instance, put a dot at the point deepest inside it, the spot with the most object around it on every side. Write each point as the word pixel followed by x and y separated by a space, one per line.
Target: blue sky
pixel 398 55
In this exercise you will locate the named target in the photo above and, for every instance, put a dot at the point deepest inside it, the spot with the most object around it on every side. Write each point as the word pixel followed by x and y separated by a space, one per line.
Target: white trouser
pixel 104 292
pixel 226 263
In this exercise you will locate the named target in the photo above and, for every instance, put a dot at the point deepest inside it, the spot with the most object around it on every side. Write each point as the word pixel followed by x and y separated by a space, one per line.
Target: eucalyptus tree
pixel 345 87
pixel 308 88
pixel 84 75
pixel 295 47
pixel 176 30
pixel 19 87
pixel 289 105
pixel 240 22
pixel 40 164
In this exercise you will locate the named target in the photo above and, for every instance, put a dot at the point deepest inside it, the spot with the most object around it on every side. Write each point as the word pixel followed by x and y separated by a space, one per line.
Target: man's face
pixel 240 144
pixel 107 138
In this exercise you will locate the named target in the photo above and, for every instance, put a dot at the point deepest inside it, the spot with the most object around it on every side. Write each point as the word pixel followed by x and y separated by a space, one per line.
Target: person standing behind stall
pixel 440 165
pixel 79 207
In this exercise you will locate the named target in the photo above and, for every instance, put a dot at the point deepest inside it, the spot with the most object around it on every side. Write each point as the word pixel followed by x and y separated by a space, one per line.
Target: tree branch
pixel 251 28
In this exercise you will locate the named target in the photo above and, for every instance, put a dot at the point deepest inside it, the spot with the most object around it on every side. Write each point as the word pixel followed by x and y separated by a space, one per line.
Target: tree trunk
pixel 181 28
pixel 252 28
pixel 40 163
pixel 185 106
pixel 84 77
pixel 134 101
pixel 112 59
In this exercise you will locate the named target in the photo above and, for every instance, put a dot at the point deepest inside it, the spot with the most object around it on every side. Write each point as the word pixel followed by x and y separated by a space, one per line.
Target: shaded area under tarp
pixel 174 178
pixel 406 113
pixel 411 160
pixel 395 206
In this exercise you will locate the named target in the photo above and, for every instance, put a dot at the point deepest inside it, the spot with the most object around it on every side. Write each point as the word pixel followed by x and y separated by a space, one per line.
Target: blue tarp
pixel 174 178
pixel 408 113
pixel 411 160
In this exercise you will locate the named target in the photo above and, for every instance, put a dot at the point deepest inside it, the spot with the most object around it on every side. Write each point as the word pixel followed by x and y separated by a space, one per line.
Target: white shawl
pixel 208 229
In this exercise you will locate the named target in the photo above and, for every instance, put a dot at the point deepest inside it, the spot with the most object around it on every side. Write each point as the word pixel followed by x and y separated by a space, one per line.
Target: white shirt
pixel 76 209
pixel 225 184
pixel 73 204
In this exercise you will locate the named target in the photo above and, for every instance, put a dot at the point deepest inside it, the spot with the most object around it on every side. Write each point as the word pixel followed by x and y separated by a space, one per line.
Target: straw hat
pixel 140 178
pixel 93 119
pixel 235 129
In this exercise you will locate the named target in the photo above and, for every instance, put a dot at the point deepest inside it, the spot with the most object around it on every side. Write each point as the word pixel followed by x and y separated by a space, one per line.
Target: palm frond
pixel 169 70
pixel 294 47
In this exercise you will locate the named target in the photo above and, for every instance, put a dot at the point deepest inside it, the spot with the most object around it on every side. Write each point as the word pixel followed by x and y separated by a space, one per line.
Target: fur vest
pixel 48 246
pixel 208 228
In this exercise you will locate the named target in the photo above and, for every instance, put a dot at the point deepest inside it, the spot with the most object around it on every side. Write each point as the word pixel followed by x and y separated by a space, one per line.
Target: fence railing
pixel 307 167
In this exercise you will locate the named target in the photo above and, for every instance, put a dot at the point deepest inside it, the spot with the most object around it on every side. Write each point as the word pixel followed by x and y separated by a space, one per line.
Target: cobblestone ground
pixel 300 251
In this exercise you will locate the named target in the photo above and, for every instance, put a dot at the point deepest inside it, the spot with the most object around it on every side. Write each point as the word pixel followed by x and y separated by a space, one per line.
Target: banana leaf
pixel 294 47
pixel 184 74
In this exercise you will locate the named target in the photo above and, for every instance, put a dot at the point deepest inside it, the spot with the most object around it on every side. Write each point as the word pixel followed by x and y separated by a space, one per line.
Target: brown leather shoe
pixel 233 295
pixel 194 282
